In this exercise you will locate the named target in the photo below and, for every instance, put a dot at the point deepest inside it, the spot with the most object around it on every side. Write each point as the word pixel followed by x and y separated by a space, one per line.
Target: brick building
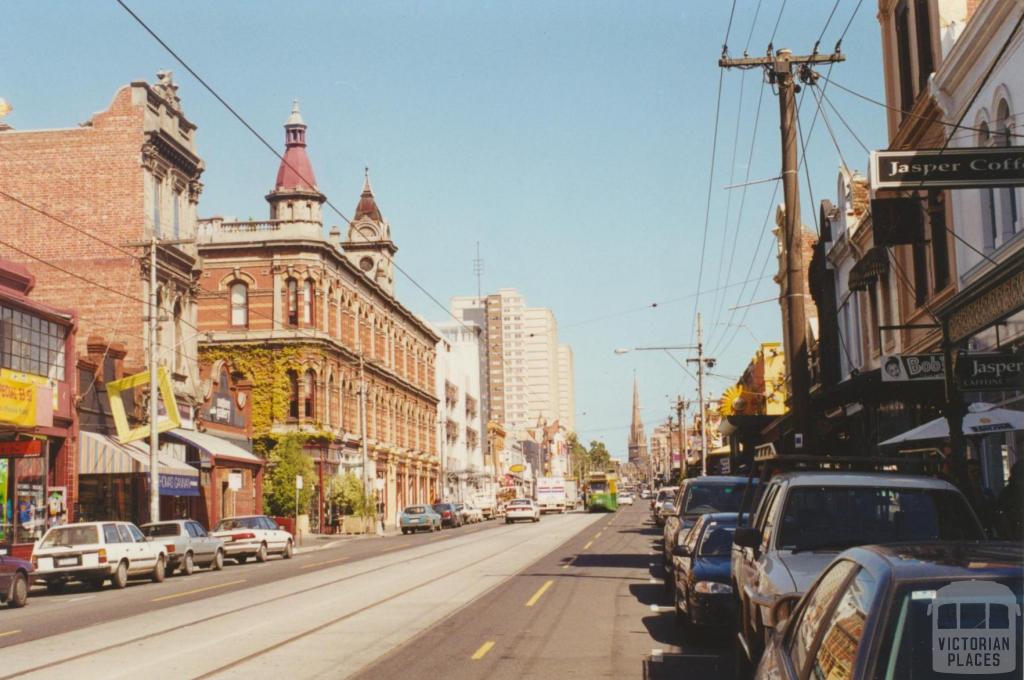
pixel 309 320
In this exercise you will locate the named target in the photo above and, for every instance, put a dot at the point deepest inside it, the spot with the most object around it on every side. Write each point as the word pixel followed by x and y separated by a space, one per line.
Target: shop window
pixel 309 394
pixel 239 305
pixel 293 395
pixel 29 501
pixel 307 303
pixel 293 302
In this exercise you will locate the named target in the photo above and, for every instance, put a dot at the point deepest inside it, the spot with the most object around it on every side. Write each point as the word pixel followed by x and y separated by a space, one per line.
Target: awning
pixel 217 448
pixel 983 420
pixel 99 454
pixel 874 264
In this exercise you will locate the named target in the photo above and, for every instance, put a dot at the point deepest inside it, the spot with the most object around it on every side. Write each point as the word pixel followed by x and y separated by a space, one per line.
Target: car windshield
pixel 415 510
pixel 921 617
pixel 666 495
pixel 717 539
pixel 69 536
pixel 521 502
pixel 161 529
pixel 441 507
pixel 238 523
pixel 835 518
pixel 704 498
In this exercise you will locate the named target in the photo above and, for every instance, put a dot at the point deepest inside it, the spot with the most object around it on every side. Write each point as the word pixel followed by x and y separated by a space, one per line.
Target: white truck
pixel 572 494
pixel 551 494
pixel 487 502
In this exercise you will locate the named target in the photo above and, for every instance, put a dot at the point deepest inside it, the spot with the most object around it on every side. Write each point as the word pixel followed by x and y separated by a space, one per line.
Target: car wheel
pixel 288 550
pixel 96 583
pixel 160 570
pixel 682 616
pixel 261 554
pixel 18 595
pixel 218 561
pixel 56 587
pixel 241 559
pixel 189 565
pixel 405 531
pixel 119 579
pixel 508 521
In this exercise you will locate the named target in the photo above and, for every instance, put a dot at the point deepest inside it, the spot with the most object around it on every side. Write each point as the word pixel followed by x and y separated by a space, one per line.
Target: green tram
pixel 602 492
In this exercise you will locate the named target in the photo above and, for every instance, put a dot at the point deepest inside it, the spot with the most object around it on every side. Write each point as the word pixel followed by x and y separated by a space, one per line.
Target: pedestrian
pixel 1009 507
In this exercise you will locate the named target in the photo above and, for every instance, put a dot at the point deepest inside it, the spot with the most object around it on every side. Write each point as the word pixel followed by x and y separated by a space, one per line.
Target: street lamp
pixel 702 362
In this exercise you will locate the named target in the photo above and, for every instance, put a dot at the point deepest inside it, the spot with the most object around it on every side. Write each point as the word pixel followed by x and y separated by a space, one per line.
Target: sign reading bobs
pixel 967 168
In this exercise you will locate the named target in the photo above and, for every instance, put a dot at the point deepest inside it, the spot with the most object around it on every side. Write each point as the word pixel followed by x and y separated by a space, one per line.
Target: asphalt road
pixel 596 607
pixel 81 606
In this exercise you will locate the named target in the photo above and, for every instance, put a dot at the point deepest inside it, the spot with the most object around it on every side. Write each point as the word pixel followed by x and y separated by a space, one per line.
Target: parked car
pixel 450 517
pixel 16 578
pixel 702 585
pixel 665 493
pixel 625 498
pixel 188 545
pixel 92 552
pixel 417 517
pixel 253 536
pixel 805 518
pixel 470 514
pixel 698 496
pixel 886 612
pixel 522 508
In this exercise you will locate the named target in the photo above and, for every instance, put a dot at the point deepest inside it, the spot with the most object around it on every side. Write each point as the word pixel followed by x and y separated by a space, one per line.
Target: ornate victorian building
pixel 310 321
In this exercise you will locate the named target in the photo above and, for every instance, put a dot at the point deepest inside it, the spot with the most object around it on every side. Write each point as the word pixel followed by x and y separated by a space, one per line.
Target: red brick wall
pixel 92 178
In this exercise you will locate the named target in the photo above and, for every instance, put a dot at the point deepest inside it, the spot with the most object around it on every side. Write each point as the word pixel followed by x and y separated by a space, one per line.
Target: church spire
pixel 637 436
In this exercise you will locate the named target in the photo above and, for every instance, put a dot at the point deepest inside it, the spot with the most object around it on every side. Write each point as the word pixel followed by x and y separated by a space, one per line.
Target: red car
pixel 16 577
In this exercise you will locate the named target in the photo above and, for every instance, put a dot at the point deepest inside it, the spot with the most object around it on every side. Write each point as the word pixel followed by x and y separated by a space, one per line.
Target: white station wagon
pixel 253 536
pixel 92 552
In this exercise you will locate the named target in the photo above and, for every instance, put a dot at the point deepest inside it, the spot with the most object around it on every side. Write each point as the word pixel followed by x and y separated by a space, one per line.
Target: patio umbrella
pixel 980 420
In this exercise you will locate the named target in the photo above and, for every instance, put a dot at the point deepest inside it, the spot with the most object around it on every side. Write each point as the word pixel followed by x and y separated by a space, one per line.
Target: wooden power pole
pixel 779 69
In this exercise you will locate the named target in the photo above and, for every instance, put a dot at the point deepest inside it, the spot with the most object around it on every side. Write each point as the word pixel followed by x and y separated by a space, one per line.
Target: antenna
pixel 478 269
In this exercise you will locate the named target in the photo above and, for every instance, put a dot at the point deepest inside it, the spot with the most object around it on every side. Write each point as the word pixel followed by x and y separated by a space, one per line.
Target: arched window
pixel 309 394
pixel 990 226
pixel 331 401
pixel 293 302
pixel 307 303
pixel 1008 209
pixel 177 339
pixel 293 395
pixel 239 305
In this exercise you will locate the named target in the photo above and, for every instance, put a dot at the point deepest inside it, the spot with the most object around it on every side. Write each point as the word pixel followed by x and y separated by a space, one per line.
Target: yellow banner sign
pixel 17 402
pixel 128 431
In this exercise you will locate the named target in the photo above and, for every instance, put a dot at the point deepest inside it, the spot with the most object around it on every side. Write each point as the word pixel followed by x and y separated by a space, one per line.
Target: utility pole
pixel 702 362
pixel 680 409
pixel 780 72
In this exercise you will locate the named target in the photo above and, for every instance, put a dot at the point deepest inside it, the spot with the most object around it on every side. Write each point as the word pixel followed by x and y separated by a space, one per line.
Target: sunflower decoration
pixel 736 401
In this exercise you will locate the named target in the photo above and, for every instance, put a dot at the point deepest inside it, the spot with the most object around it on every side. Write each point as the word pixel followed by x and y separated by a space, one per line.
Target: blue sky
pixel 571 139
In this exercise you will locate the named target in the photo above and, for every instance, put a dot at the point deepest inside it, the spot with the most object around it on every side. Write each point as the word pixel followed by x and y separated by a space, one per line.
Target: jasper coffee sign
pixel 996 371
pixel 948 168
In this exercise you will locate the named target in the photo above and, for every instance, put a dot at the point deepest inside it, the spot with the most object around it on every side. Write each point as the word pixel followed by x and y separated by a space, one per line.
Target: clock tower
pixel 369 246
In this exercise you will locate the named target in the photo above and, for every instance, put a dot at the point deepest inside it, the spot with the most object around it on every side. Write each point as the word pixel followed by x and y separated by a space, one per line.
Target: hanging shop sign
pixel 135 426
pixel 995 371
pixel 963 168
pixel 913 367
pixel 17 402
pixel 25 447
pixel 517 468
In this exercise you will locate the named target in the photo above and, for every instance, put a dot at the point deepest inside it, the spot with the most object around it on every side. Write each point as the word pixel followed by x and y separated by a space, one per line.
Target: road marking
pixel 587 546
pixel 568 564
pixel 79 599
pixel 317 564
pixel 198 590
pixel 484 648
pixel 10 632
pixel 598 535
pixel 536 596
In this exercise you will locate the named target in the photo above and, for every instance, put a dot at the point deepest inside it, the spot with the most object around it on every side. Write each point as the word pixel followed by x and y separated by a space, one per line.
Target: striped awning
pixel 100 454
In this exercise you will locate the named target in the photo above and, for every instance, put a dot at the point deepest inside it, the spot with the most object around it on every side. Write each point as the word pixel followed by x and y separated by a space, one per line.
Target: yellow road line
pixel 10 632
pixel 317 564
pixel 484 648
pixel 587 546
pixel 198 590
pixel 536 596
pixel 598 535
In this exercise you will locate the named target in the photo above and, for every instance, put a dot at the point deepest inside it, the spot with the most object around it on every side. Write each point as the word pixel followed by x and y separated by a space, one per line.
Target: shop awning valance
pixel 99 454
pixel 217 448
pixel 869 268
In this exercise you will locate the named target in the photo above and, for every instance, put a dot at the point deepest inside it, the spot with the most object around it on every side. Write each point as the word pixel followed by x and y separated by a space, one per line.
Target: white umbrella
pixel 981 419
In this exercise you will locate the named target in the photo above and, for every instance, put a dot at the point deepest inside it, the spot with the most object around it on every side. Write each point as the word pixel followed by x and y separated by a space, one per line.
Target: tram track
pixel 443 547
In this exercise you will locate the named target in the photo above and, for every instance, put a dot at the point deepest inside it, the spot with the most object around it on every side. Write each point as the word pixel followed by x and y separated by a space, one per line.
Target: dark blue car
pixel 703 594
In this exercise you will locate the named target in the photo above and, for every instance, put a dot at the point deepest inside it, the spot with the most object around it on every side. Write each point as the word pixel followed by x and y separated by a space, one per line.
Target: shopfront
pixel 37 420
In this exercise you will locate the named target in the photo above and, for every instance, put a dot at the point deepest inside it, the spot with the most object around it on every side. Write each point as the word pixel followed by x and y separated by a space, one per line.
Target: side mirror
pixel 681 551
pixel 747 537
pixel 783 607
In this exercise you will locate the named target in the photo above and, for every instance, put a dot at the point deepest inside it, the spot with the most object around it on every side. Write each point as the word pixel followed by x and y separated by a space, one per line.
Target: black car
pixel 450 517
pixel 923 610
pixel 703 594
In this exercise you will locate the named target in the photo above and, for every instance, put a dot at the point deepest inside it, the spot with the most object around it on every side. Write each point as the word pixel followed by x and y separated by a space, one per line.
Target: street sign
pixel 991 371
pixel 23 447
pixel 235 481
pixel 298 481
pixel 962 168
pixel 912 367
